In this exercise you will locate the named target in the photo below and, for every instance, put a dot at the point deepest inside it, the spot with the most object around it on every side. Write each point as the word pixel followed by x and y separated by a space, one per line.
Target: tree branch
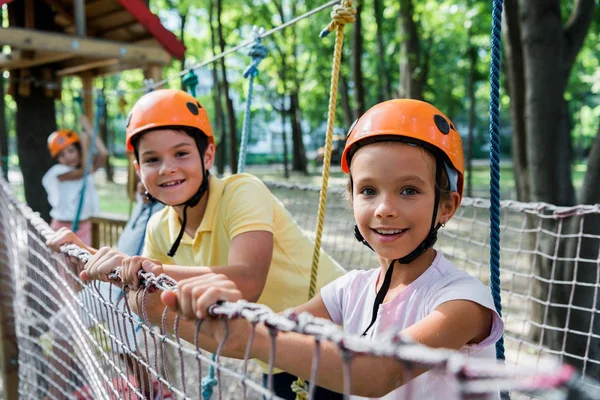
pixel 576 30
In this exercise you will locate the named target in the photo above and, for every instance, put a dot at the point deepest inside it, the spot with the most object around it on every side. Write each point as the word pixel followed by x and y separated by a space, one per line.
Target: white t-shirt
pixel 64 196
pixel 349 301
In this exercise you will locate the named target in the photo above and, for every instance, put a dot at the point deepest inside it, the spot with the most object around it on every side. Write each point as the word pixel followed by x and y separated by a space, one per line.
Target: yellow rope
pixel 340 16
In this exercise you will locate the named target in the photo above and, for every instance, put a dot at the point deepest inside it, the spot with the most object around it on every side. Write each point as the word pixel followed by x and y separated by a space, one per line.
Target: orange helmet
pixel 410 120
pixel 60 140
pixel 166 108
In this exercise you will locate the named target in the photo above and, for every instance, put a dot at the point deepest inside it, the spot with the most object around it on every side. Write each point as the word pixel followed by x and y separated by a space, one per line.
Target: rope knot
pixel 300 388
pixel 190 81
pixel 258 52
pixel 148 85
pixel 340 15
pixel 207 387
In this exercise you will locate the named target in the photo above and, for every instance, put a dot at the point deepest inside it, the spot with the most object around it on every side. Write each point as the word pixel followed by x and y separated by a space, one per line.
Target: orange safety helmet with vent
pixel 167 108
pixel 414 122
pixel 408 121
pixel 60 140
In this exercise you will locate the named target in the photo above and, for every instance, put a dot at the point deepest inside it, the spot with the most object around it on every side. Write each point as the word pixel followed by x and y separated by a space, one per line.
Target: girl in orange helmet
pixel 404 159
pixel 64 180
pixel 232 226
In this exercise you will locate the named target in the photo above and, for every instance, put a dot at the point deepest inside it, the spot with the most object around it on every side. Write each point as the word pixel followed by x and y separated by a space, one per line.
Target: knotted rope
pixel 258 52
pixel 340 16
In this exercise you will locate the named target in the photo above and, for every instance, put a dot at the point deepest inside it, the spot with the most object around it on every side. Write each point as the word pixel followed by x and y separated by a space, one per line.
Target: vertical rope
pixel 88 163
pixel 340 15
pixel 190 82
pixel 258 52
pixel 496 42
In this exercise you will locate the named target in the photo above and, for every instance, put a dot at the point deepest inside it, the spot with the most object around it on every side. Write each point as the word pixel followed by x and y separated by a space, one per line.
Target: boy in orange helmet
pixel 232 226
pixel 404 159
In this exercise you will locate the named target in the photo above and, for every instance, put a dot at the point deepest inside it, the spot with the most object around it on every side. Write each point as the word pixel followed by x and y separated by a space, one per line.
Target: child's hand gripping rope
pixel 110 265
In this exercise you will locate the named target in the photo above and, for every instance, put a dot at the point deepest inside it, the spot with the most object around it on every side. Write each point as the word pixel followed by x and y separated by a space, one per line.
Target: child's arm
pixel 66 236
pixel 99 156
pixel 372 376
pixel 249 259
pixel 102 152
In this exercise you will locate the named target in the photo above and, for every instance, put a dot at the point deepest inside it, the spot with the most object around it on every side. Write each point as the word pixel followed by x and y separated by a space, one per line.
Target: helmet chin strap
pixel 191 202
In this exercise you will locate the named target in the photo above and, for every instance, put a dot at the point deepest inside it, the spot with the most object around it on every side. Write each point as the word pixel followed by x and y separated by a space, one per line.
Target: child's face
pixel 170 165
pixel 69 156
pixel 393 196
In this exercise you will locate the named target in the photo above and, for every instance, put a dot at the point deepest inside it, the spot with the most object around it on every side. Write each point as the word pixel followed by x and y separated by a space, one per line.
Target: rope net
pixel 83 341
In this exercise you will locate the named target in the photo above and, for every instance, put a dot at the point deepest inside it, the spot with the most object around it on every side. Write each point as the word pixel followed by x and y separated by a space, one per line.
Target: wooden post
pixel 9 350
pixel 87 80
pixel 80 18
pixel 154 72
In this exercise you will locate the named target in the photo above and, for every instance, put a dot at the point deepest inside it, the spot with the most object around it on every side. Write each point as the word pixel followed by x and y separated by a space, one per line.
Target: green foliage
pixel 301 61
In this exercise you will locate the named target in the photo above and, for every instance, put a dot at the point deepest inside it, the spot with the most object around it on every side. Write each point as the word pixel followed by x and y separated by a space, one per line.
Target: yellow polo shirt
pixel 238 204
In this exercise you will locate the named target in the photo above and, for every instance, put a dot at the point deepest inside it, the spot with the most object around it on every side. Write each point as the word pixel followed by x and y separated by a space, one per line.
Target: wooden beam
pixel 80 64
pixel 100 7
pixel 37 40
pixel 113 69
pixel 108 30
pixel 61 10
pixel 17 59
pixel 115 16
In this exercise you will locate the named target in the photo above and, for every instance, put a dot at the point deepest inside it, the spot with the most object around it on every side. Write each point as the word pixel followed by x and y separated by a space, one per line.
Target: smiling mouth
pixel 171 184
pixel 389 232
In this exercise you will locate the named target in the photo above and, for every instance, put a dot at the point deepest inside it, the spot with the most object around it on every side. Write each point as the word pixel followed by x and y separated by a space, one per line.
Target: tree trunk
pixel 511 26
pixel 3 133
pixel 231 123
pixel 35 120
pixel 348 113
pixel 221 141
pixel 588 230
pixel 35 117
pixel 590 192
pixel 384 88
pixel 299 153
pixel 357 75
pixel 472 54
pixel 411 84
pixel 548 52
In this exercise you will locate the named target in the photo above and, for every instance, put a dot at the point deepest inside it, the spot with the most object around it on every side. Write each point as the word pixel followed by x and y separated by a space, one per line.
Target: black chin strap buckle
pixel 360 237
pixel 149 197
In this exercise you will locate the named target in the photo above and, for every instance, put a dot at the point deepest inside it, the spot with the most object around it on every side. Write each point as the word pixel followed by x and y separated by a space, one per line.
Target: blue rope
pixel 258 52
pixel 88 164
pixel 141 245
pixel 190 81
pixel 209 383
pixel 496 42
